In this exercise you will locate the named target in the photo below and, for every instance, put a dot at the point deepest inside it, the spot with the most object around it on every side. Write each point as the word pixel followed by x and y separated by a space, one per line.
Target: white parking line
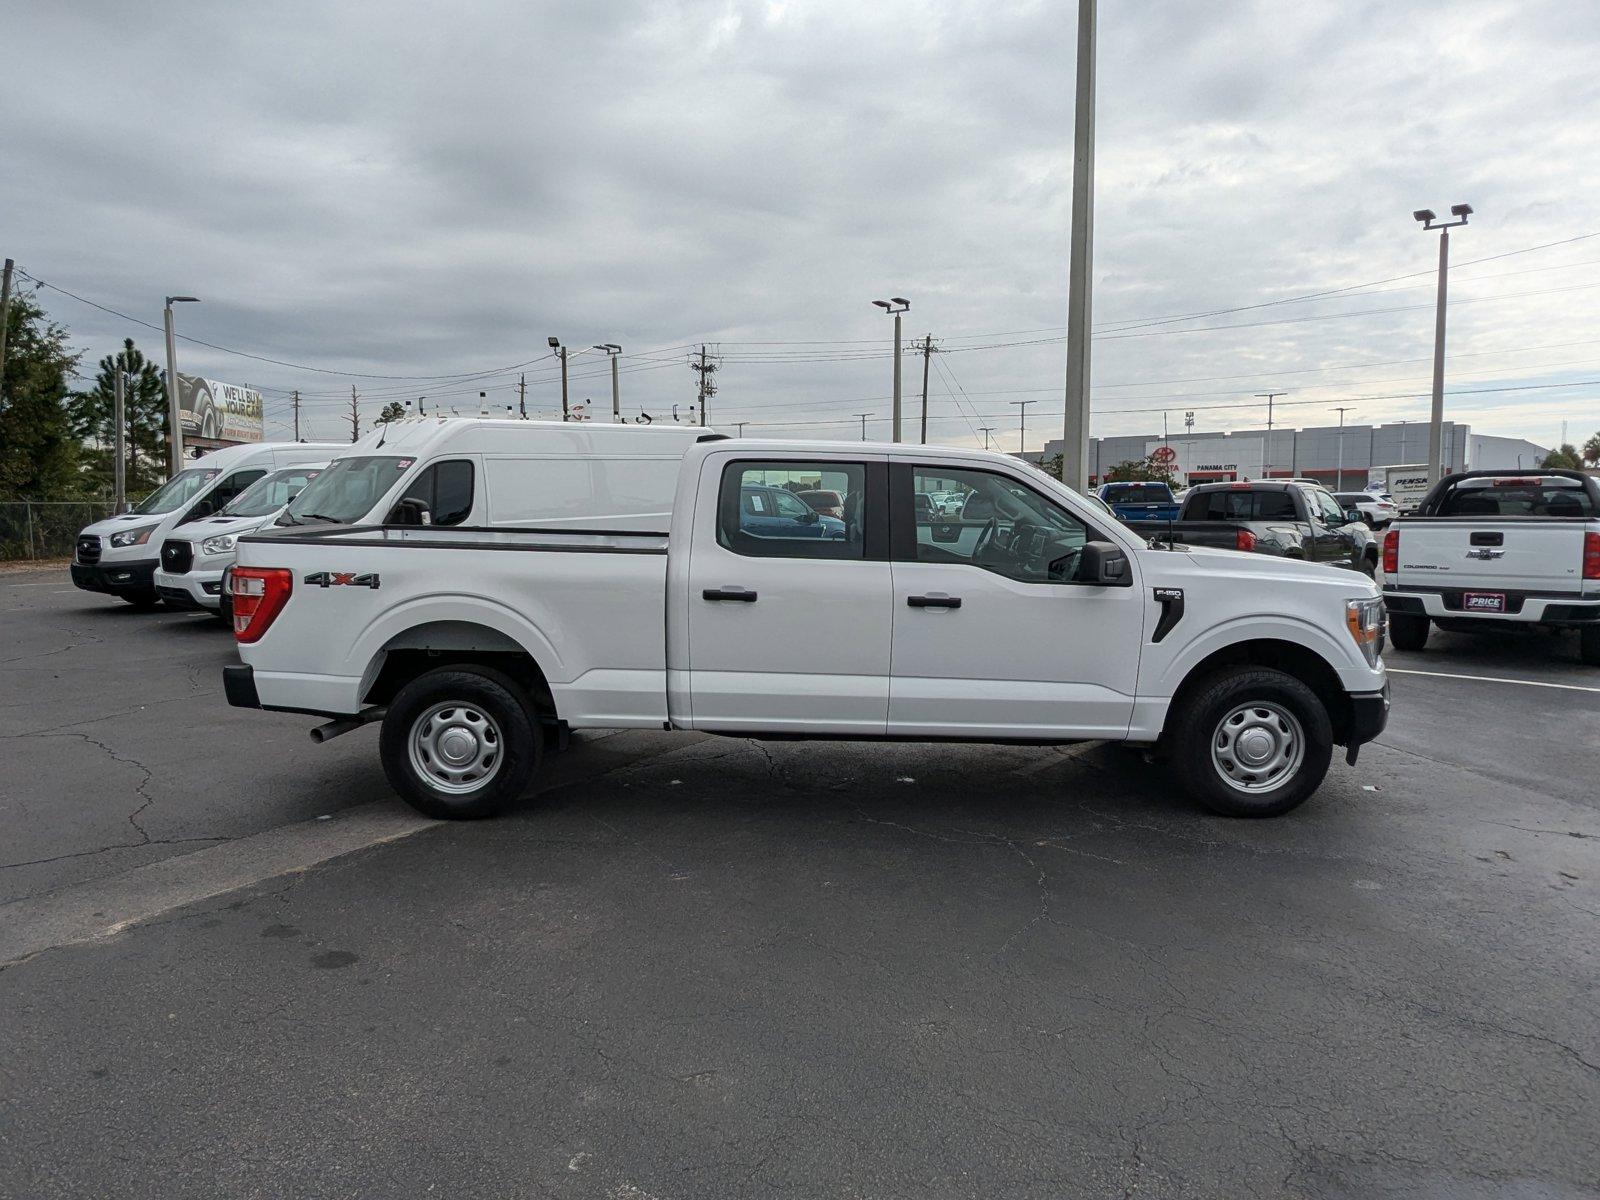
pixel 1566 687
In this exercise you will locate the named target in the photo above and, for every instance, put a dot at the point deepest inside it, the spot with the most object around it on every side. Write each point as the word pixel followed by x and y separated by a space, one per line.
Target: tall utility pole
pixel 928 352
pixel 1436 419
pixel 5 314
pixel 119 479
pixel 705 369
pixel 895 306
pixel 1266 450
pixel 522 394
pixel 355 415
pixel 1075 429
pixel 612 351
pixel 740 425
pixel 1022 433
pixel 1340 476
pixel 863 417
pixel 986 430
pixel 295 404
pixel 174 408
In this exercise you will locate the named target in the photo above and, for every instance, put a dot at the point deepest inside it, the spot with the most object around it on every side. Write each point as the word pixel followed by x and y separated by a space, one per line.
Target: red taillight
pixel 259 594
pixel 1591 556
pixel 1243 539
pixel 1391 552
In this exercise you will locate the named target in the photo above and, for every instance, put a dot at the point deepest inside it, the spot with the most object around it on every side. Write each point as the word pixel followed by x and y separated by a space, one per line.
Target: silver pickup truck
pixel 1489 550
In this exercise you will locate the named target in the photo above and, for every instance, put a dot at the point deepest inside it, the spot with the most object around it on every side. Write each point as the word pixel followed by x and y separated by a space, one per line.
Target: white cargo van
pixel 194 559
pixel 509 474
pixel 119 556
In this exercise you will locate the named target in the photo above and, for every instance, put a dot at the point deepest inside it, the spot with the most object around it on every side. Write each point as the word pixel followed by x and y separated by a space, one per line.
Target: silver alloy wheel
pixel 455 747
pixel 1258 747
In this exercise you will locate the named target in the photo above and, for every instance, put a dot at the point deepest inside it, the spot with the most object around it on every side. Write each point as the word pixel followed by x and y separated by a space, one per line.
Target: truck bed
pixel 353 600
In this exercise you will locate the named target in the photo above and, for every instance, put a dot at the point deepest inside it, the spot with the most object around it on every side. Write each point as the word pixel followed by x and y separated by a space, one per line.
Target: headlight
pixel 1367 620
pixel 220 544
pixel 133 537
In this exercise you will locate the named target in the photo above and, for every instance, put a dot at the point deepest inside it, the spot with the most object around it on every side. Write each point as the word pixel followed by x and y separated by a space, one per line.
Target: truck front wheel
pixel 1589 645
pixel 1252 742
pixel 1407 631
pixel 460 743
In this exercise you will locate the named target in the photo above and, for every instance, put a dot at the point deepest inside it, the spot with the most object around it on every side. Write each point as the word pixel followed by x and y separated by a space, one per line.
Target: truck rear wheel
pixel 1252 742
pixel 460 743
pixel 1407 631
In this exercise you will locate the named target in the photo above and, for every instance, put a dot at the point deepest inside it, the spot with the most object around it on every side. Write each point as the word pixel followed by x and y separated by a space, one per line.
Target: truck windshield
pixel 270 493
pixel 346 491
pixel 177 491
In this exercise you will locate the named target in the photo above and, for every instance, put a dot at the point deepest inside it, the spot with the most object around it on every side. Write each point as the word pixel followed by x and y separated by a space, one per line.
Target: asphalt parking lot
pixel 700 967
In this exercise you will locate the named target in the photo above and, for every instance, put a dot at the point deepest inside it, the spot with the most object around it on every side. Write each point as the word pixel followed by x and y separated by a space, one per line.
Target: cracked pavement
pixel 741 969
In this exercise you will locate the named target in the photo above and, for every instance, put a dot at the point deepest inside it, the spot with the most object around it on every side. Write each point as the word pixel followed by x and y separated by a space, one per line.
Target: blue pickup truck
pixel 1140 501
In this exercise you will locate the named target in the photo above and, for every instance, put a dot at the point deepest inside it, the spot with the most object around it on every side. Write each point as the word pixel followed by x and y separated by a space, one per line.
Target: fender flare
pixel 1255 627
pixel 367 652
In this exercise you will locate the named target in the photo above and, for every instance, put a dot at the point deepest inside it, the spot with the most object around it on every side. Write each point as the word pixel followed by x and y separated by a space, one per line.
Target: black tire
pixel 1589 645
pixel 1369 565
pixel 1408 631
pixel 467 692
pixel 141 600
pixel 1272 696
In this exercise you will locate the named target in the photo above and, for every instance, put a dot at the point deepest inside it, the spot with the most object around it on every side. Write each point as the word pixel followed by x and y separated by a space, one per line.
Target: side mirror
pixel 1104 565
pixel 811 517
pixel 1352 516
pixel 410 512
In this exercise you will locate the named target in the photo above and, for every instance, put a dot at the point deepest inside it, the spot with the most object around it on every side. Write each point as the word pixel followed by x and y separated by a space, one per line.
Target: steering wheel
pixel 1025 539
pixel 986 538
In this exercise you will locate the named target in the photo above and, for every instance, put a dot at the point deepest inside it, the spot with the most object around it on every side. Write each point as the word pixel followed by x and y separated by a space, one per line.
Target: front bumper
pixel 117 578
pixel 193 589
pixel 1368 717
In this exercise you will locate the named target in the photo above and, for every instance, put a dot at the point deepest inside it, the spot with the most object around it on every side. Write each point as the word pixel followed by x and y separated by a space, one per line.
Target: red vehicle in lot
pixel 826 503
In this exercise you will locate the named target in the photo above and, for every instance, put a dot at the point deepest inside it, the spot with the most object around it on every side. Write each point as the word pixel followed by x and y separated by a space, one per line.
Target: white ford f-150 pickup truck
pixel 1489 550
pixel 1031 617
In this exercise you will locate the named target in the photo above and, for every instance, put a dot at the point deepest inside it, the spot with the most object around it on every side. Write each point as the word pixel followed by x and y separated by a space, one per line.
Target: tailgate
pixel 1492 555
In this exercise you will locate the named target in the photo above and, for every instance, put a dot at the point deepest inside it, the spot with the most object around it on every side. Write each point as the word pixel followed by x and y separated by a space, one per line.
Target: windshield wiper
pixel 320 517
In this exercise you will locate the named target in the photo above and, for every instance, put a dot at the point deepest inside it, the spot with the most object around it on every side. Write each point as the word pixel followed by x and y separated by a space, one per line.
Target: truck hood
pixel 1198 562
pixel 211 526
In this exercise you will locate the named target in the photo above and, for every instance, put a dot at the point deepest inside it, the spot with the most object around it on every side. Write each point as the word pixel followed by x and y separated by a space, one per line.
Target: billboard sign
pixel 209 408
pixel 1209 457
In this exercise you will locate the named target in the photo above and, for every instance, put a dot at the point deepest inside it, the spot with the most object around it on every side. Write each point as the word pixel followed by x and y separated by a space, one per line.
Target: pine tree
pixel 39 457
pixel 392 411
pixel 145 413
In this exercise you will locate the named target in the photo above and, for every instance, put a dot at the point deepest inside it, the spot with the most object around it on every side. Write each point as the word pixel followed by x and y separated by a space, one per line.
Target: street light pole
pixel 895 305
pixel 1266 453
pixel 863 417
pixel 1075 429
pixel 986 430
pixel 119 481
pixel 561 353
pixel 1436 418
pixel 174 422
pixel 1339 484
pixel 1022 414
pixel 611 351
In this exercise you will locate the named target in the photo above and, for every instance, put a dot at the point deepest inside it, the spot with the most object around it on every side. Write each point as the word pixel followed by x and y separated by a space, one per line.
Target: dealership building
pixel 1342 459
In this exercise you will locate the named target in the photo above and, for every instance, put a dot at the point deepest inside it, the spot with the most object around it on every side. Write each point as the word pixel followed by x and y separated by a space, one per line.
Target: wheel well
pixel 450 643
pixel 1309 667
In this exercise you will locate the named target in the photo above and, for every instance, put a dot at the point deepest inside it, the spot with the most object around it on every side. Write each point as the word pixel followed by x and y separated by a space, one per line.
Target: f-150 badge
pixel 343 579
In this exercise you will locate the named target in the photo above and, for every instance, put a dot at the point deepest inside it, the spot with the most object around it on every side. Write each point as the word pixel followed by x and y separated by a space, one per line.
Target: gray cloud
pixel 420 189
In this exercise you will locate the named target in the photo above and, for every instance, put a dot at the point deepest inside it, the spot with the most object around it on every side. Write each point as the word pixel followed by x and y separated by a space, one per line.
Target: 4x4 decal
pixel 343 579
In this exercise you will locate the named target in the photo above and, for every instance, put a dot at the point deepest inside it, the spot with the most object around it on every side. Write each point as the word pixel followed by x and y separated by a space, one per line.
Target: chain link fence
pixel 37 529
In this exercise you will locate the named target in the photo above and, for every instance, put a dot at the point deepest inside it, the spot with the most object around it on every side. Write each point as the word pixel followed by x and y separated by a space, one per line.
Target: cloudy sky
pixel 399 196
